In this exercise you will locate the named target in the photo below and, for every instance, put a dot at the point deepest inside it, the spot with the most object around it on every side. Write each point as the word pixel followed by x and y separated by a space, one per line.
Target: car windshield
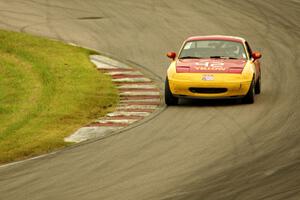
pixel 213 49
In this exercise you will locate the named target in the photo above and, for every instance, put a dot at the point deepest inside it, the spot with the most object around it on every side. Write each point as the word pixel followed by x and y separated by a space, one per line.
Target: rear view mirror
pixel 256 55
pixel 171 55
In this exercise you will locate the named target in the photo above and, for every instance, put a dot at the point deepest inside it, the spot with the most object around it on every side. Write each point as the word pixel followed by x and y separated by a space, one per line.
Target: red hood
pixel 210 65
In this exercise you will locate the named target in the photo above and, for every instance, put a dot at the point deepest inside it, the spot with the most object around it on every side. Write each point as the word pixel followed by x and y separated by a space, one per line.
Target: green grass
pixel 47 91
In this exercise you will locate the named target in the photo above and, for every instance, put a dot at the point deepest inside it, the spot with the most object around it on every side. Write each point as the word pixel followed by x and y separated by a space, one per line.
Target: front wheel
pixel 169 98
pixel 249 98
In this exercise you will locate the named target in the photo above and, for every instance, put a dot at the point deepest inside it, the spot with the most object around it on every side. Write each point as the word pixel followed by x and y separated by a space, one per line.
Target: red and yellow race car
pixel 211 67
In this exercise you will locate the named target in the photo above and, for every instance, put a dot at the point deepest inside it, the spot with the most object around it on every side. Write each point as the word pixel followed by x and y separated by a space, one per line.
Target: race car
pixel 211 67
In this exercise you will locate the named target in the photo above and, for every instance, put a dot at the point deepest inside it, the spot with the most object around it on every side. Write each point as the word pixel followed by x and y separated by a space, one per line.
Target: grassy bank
pixel 47 91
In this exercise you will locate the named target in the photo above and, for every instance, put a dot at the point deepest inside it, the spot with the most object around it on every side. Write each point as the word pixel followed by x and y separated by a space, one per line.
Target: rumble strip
pixel 139 97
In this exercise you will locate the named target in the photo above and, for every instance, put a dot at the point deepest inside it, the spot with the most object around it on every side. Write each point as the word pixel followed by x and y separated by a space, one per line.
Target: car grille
pixel 208 90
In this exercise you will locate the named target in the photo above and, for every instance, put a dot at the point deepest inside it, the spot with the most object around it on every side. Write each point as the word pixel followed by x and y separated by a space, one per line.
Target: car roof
pixel 217 37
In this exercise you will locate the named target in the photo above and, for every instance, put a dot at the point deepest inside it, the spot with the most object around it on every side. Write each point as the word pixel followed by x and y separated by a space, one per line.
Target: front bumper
pixel 225 88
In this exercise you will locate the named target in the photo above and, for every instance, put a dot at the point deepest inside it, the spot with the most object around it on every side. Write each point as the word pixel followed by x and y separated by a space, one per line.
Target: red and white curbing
pixel 139 97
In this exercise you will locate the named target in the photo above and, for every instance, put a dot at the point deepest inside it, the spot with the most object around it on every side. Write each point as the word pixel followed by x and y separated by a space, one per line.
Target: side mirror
pixel 256 55
pixel 171 55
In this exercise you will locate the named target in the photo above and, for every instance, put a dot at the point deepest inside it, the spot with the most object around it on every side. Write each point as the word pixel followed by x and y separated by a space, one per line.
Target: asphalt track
pixel 198 150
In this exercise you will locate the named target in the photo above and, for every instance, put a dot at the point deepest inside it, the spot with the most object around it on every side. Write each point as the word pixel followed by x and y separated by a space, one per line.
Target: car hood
pixel 210 65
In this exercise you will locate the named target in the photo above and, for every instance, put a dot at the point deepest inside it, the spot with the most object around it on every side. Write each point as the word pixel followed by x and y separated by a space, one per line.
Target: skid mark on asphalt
pixel 139 97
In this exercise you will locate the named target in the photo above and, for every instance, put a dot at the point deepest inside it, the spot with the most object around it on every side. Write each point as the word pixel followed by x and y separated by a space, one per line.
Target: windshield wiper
pixel 190 57
pixel 223 57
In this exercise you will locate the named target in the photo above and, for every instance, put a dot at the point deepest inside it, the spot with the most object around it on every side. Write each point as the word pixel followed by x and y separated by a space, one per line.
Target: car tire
pixel 258 86
pixel 170 100
pixel 249 98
